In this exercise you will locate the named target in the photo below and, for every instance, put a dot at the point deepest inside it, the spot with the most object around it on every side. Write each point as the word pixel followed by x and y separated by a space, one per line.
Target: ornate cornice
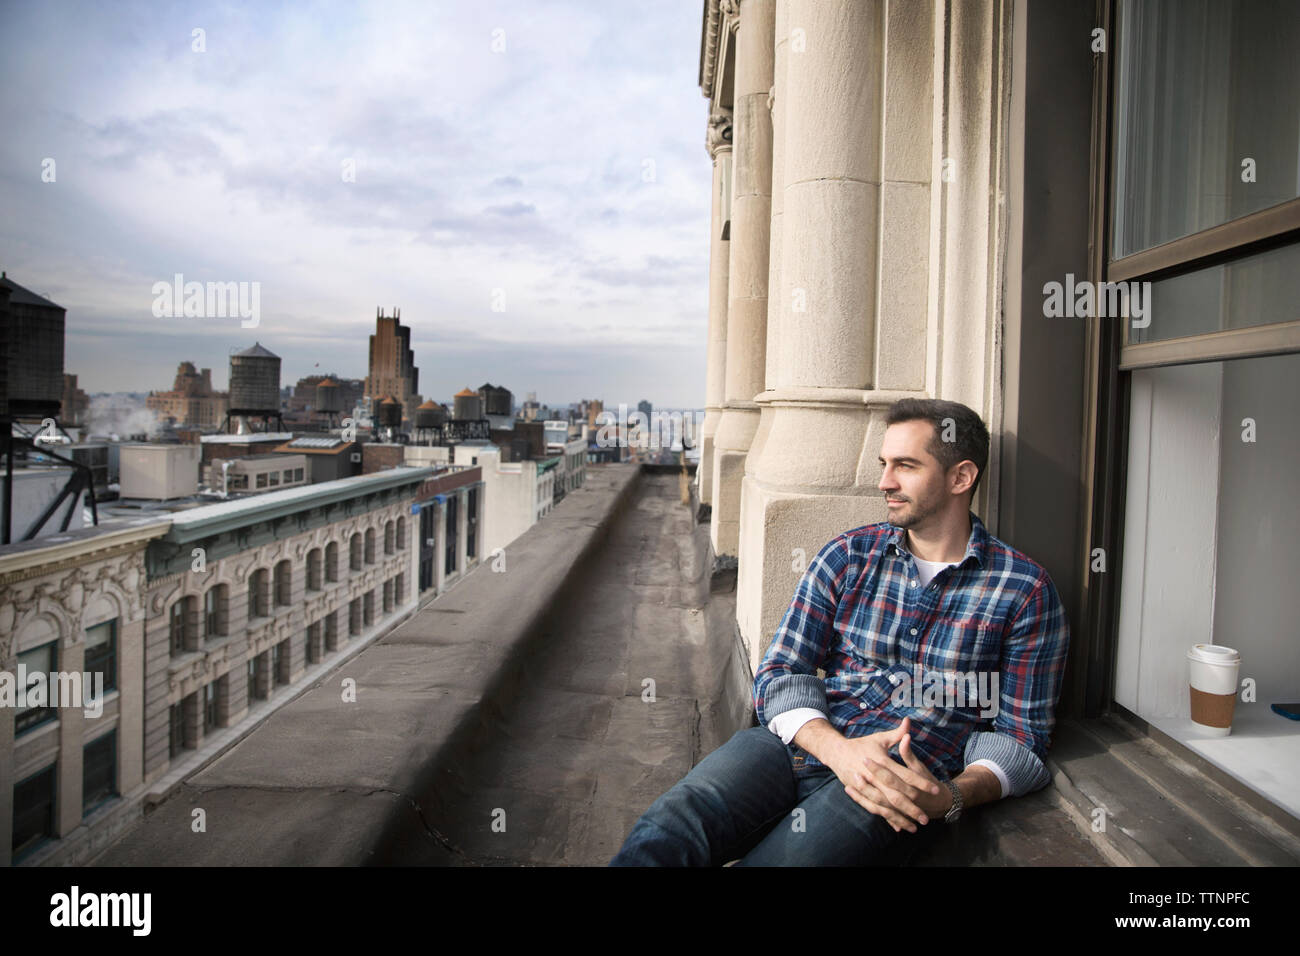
pixel 27 564
pixel 709 48
pixel 730 10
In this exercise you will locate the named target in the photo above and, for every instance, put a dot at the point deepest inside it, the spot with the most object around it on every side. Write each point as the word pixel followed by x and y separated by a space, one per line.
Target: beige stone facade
pixel 863 224
pixel 50 596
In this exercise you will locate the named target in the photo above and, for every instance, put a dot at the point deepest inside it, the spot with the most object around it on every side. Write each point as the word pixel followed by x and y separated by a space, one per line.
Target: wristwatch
pixel 952 815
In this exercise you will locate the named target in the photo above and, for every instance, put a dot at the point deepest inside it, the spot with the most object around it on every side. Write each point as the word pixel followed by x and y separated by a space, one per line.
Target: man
pixel 925 627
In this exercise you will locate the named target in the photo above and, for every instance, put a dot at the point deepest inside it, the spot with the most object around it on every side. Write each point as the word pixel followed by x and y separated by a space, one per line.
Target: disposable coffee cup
pixel 1213 676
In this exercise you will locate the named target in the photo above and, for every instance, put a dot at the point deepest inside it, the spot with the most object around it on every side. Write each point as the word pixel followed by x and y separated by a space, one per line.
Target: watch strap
pixel 955 811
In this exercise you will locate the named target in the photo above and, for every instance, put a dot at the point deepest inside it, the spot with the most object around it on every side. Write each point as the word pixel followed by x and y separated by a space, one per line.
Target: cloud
pixel 345 155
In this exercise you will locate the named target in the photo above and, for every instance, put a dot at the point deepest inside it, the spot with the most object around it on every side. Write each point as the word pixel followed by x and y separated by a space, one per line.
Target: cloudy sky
pixel 540 155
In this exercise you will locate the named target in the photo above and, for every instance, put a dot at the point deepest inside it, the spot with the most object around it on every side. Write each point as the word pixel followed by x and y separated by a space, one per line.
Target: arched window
pixel 355 552
pixel 388 537
pixel 332 561
pixel 184 624
pixel 370 546
pixel 259 594
pixel 314 569
pixel 401 533
pixel 216 612
pixel 283 583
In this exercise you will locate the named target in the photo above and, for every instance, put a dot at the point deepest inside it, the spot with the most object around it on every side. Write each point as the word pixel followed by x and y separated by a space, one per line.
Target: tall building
pixel 75 401
pixel 392 364
pixel 192 399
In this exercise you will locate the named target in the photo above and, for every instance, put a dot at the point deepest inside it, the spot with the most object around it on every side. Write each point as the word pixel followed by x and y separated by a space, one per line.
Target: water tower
pixel 429 419
pixel 254 389
pixel 329 399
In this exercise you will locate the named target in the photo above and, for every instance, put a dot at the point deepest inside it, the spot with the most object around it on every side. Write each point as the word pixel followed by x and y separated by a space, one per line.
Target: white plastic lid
pixel 1214 654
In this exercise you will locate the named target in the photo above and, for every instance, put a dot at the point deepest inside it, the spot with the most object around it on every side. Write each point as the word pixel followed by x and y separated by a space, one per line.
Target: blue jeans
pixel 743 801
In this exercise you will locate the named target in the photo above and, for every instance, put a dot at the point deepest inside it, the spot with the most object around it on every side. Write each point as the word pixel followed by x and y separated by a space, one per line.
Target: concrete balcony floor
pixel 512 722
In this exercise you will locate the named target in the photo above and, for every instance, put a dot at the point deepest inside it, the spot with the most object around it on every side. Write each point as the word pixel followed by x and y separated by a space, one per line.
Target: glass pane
pixel 1256 290
pixel 99 634
pixel 1207 121
pixel 99 770
pixel 33 811
pixel 1211 543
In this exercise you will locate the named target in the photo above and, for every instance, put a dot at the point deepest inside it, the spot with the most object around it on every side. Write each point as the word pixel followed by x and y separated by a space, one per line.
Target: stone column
pixel 747 297
pixel 72 720
pixel 718 143
pixel 814 468
pixel 884 264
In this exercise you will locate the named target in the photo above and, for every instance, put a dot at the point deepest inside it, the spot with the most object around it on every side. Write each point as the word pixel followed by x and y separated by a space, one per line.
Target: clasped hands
pixel 904 795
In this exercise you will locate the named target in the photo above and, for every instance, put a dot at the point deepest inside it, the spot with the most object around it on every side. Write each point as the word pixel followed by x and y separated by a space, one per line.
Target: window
pixel 176 627
pixel 313 642
pixel 99 771
pixel 283 584
pixel 101 652
pixel 288 475
pixel 209 707
pixel 401 533
pixel 214 611
pixel 261 480
pixel 370 546
pixel 1202 506
pixel 39 662
pixel 354 617
pixel 332 561
pixel 332 631
pixel 388 597
pixel 388 537
pixel 238 483
pixel 34 811
pixel 257 682
pixel 471 522
pixel 175 731
pixel 280 661
pixel 452 521
pixel 259 596
pixel 314 569
pixel 354 554
pixel 368 608
pixel 297 474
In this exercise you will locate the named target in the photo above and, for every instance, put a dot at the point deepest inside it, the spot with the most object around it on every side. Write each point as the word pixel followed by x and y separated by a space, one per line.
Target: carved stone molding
pixel 709 66
pixel 730 10
pixel 718 136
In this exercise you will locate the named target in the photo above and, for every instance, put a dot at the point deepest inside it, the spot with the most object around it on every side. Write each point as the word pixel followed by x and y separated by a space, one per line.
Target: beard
pixel 911 513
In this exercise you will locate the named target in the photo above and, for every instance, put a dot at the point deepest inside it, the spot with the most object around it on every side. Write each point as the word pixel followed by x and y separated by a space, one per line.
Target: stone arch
pixel 40 626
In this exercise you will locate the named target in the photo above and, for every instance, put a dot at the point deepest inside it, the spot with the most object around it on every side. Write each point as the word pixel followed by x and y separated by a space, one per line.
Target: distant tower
pixel 392 364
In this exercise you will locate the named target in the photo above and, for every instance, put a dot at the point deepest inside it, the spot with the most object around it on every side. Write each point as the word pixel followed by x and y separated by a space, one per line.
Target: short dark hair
pixel 970 439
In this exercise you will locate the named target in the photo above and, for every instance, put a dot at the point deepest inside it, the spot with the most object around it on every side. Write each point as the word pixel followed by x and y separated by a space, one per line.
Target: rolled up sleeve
pixel 786 678
pixel 1032 669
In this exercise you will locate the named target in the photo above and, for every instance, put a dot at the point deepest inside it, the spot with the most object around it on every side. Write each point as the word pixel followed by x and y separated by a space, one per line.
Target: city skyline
pixel 536 216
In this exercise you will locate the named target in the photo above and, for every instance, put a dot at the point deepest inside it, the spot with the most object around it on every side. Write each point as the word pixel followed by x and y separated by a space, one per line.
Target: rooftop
pixel 22 296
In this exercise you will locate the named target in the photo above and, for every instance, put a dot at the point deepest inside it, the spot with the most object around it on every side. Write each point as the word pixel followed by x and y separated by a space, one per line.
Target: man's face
pixel 911 478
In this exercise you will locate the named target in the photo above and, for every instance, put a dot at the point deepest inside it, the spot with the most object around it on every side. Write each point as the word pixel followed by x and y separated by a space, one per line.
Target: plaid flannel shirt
pixel 860 615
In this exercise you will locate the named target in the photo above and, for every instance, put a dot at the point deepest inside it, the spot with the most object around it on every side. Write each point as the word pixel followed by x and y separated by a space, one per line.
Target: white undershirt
pixel 926 570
